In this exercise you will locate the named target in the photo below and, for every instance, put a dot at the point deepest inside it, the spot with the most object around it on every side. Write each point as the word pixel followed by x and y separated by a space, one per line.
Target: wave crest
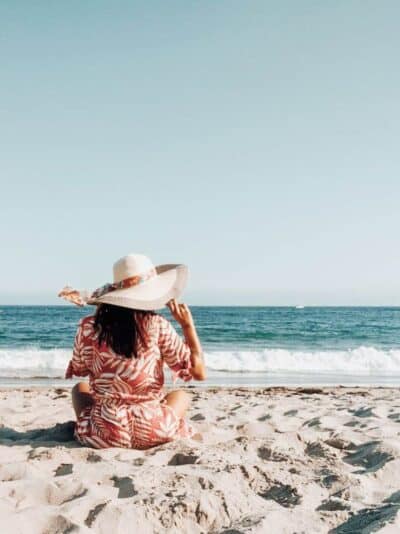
pixel 31 362
pixel 363 360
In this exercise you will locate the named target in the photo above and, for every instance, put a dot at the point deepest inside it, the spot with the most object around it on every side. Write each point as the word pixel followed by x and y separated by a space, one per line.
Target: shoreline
pixel 279 459
pixel 239 380
pixel 211 388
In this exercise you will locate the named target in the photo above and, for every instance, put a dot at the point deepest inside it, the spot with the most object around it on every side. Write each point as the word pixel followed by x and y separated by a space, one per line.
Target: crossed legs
pixel 81 397
pixel 178 400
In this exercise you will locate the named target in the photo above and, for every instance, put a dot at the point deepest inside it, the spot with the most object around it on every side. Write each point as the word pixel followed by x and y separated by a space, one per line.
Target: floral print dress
pixel 128 408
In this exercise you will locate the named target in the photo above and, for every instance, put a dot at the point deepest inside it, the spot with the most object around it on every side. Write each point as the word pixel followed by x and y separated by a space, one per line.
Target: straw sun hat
pixel 137 284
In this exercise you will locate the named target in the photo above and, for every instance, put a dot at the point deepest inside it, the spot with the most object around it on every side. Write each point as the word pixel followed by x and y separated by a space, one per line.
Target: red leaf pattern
pixel 128 409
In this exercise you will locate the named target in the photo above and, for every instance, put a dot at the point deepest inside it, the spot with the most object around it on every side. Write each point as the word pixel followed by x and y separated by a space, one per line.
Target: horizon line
pixel 296 306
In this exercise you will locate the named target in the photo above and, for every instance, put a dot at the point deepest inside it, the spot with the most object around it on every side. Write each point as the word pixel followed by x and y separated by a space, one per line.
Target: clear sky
pixel 256 141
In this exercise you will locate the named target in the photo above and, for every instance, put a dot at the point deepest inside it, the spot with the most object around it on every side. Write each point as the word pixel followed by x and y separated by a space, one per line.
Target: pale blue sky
pixel 256 141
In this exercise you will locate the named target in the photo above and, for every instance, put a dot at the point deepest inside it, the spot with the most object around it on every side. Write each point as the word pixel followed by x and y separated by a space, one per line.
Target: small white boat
pixel 299 307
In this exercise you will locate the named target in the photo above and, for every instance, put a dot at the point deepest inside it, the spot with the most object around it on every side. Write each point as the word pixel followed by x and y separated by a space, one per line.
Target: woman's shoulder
pixel 146 317
pixel 164 326
pixel 86 324
pixel 158 320
pixel 151 321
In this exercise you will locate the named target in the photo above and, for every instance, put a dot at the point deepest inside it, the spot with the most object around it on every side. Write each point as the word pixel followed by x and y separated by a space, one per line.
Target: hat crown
pixel 131 265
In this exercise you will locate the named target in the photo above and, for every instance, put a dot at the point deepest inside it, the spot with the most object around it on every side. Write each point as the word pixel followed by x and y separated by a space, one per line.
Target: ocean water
pixel 243 345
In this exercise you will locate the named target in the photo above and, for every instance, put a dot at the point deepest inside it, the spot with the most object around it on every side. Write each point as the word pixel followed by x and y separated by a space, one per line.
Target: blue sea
pixel 243 345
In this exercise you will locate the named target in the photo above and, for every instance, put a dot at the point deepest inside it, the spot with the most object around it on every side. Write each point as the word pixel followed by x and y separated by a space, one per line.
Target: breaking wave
pixel 31 362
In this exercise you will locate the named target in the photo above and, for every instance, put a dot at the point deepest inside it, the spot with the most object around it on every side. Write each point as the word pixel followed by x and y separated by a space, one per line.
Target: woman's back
pixel 136 379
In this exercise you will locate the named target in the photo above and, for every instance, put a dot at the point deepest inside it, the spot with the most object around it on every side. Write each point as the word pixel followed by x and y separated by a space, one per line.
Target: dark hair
pixel 117 328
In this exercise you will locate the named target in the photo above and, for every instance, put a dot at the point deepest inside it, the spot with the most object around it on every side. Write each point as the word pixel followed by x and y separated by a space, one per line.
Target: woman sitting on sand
pixel 123 348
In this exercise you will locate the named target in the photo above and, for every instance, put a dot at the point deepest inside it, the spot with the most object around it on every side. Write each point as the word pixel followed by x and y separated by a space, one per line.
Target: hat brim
pixel 153 294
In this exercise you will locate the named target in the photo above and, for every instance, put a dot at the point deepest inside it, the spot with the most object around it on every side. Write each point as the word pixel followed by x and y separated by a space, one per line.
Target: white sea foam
pixel 363 360
pixel 33 362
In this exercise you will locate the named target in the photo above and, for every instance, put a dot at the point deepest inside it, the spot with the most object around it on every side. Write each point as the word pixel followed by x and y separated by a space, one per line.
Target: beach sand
pixel 271 460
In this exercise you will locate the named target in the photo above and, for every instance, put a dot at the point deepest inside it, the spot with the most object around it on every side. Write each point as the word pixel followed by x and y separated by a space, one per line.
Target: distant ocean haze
pixel 243 345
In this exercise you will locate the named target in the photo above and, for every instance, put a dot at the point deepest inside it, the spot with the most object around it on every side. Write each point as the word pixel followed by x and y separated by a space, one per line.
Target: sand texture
pixel 273 460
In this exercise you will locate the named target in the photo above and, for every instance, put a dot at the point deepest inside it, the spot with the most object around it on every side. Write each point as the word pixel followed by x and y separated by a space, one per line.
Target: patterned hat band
pixel 124 284
pixel 80 298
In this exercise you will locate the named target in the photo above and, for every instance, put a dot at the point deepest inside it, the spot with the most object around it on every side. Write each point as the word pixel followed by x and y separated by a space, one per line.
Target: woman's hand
pixel 181 313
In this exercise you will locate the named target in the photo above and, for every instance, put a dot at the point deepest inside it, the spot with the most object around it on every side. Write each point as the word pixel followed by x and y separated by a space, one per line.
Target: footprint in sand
pixel 41 454
pixel 339 443
pixel 283 494
pixel 363 412
pixel 93 513
pixel 125 487
pixel 352 423
pixel 315 421
pixel 197 417
pixel 291 413
pixel 264 417
pixel 369 456
pixel 63 469
pixel 329 480
pixel 266 453
pixel 93 458
pixel 394 498
pixel 183 459
pixel 317 449
pixel 332 505
pixel 368 520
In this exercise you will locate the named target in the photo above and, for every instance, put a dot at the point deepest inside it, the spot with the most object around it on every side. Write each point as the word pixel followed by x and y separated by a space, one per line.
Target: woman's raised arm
pixel 182 314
